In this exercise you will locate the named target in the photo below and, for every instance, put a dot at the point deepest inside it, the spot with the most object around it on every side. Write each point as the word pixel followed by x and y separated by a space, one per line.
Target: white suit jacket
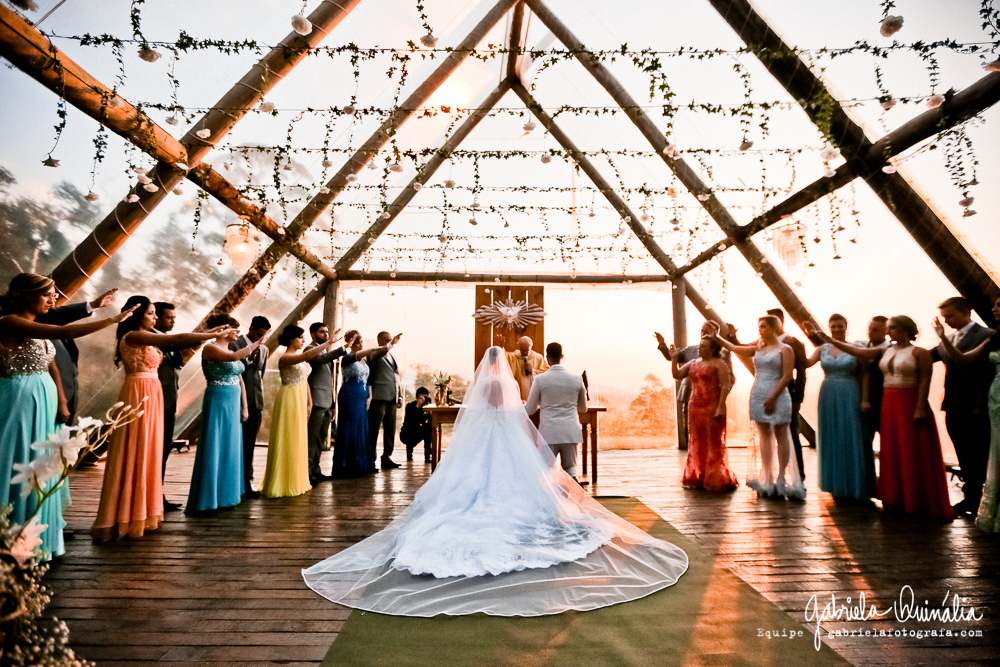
pixel 562 398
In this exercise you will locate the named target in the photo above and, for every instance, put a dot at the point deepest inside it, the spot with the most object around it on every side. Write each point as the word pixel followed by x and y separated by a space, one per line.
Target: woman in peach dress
pixel 132 493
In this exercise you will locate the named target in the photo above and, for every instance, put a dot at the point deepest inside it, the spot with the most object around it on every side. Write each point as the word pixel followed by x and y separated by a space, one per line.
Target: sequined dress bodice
pixel 294 374
pixel 31 357
pixel 899 367
pixel 355 371
pixel 223 373
pixel 141 359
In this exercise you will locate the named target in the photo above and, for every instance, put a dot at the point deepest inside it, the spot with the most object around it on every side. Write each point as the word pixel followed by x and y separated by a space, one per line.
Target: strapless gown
pixel 287 471
pixel 217 477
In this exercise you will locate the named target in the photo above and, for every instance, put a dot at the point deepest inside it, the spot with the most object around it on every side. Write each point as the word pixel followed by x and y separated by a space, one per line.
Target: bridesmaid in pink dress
pixel 707 464
pixel 132 493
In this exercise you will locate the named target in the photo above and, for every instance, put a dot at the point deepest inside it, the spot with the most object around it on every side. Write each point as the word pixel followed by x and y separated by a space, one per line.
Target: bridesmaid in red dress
pixel 132 494
pixel 911 474
pixel 707 464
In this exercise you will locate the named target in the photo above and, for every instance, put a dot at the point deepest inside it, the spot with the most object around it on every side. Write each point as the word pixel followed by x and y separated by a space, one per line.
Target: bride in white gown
pixel 499 529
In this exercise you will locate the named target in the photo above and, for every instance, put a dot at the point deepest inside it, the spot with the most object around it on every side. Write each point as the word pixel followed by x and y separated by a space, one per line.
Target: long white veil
pixel 499 529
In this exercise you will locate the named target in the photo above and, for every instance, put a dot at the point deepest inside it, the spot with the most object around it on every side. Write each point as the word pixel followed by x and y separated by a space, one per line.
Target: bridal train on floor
pixel 499 528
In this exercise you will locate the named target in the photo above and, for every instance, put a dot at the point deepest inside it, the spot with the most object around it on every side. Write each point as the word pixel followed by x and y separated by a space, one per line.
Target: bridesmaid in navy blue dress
pixel 351 456
pixel 217 476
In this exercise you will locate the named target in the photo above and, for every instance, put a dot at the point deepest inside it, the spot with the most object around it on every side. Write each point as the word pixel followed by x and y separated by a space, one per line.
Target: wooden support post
pixel 34 53
pixel 514 40
pixel 786 296
pixel 330 311
pixel 678 299
pixel 930 232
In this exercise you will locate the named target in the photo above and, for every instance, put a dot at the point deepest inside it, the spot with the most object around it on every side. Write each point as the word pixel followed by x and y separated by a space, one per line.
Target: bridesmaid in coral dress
pixel 132 493
pixel 287 471
pixel 707 464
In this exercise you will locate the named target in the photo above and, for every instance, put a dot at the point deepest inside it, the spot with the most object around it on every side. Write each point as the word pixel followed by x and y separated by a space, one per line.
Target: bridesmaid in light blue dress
pixel 846 461
pixel 217 476
pixel 771 411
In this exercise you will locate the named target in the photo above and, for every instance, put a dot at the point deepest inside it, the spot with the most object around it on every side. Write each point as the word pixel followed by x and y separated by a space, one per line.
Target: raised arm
pixel 379 351
pixel 16 328
pixel 661 345
pixel 217 353
pixel 173 341
pixel 291 358
pixel 870 353
pixel 956 355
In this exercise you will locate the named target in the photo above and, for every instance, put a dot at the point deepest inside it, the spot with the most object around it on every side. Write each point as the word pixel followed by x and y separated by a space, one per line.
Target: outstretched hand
pixel 673 353
pixel 395 339
pixel 660 341
pixel 124 314
pixel 938 327
pixel 104 299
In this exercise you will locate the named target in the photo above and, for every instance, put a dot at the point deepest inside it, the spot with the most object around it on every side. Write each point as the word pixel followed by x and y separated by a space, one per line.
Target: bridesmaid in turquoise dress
pixel 31 395
pixel 846 462
pixel 217 476
pixel 988 517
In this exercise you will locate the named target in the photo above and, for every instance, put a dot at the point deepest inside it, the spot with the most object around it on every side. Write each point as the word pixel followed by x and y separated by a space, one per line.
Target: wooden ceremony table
pixel 446 414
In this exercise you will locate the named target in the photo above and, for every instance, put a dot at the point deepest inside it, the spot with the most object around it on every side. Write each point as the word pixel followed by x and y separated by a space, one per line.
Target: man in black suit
pixel 797 388
pixel 67 353
pixel 253 380
pixel 965 392
pixel 169 373
pixel 321 390
pixel 417 425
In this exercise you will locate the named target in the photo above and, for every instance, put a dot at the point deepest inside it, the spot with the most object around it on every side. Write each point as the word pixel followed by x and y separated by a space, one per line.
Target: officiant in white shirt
pixel 561 397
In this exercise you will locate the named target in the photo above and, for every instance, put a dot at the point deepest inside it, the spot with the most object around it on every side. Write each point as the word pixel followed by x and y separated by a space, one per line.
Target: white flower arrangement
pixel 890 25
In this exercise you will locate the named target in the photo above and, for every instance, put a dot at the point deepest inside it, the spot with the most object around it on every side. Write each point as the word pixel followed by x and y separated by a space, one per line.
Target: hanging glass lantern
pixel 242 246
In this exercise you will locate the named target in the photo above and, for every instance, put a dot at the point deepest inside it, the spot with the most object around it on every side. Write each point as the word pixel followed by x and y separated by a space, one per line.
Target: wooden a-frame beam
pixel 964 105
pixel 312 210
pixel 34 53
pixel 786 296
pixel 582 279
pixel 931 233
pixel 514 40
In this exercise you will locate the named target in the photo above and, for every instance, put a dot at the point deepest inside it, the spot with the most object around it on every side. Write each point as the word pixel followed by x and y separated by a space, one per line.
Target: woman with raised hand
pixel 132 493
pixel 217 476
pixel 988 516
pixel 846 461
pixel 911 469
pixel 287 471
pixel 31 394
pixel 771 410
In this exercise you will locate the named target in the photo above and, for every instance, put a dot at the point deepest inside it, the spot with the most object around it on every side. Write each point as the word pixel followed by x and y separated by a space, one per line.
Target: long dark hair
pixel 290 333
pixel 130 323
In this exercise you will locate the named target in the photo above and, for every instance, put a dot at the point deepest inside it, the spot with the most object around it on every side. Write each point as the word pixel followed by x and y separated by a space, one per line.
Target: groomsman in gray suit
pixel 387 396
pixel 321 389
pixel 561 397
pixel 253 380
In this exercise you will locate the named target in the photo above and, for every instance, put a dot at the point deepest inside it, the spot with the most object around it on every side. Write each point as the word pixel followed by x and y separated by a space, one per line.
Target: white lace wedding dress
pixel 499 529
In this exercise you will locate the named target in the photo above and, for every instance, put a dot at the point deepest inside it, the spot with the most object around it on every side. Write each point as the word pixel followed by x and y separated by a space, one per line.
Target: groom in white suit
pixel 561 396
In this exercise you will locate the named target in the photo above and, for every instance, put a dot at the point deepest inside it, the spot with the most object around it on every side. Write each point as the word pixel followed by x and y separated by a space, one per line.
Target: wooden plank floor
pixel 226 589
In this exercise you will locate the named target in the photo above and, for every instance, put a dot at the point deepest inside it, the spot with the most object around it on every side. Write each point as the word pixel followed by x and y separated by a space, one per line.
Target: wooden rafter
pixel 786 296
pixel 931 233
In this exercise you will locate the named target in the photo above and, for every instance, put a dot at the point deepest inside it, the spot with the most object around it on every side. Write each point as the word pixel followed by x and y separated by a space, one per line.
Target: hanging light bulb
pixel 241 246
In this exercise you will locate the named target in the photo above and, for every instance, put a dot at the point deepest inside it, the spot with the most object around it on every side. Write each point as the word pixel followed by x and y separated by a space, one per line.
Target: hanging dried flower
pixel 395 167
pixel 443 238
pixel 671 192
pixel 418 186
pixel 703 197
pixel 324 190
pixel 220 262
pixel 888 103
pixel 529 126
pixel 116 102
pixel 746 145
pixel 148 54
pixel 429 41
pixel 967 202
pixel 670 150
pixel 968 213
pixel 546 158
pixel 350 110
pixel 829 172
pixel 372 165
pixel 141 171
pixel 177 191
pixel 351 178
pixel 150 187
pixel 449 183
pixel 131 199
pixel 173 121
pixel 143 178
pixel 993 66
pixel 326 164
pixel 266 107
pixel 288 166
pixel 203 133
pixel 301 25
pixel 829 154
pixel 934 101
pixel 181 165
pixel 472 221
pixel 50 162
pixel 644 217
pixel 91 196
pixel 386 215
pixel 890 25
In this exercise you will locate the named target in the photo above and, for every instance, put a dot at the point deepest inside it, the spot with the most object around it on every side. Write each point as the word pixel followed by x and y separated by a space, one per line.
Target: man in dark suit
pixel 67 353
pixel 321 390
pixel 872 380
pixel 169 373
pixel 965 392
pixel 797 388
pixel 253 380
pixel 386 398
pixel 417 425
